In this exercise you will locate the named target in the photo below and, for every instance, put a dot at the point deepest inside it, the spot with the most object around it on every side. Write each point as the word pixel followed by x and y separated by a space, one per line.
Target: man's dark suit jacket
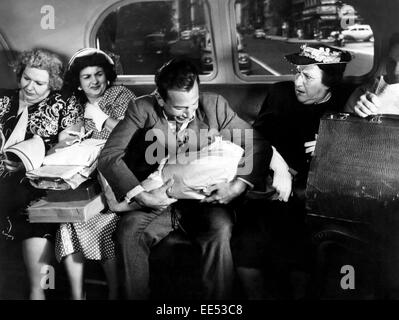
pixel 123 159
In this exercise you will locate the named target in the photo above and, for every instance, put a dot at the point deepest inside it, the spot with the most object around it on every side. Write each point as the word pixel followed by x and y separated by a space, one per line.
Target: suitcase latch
pixel 375 119
pixel 338 116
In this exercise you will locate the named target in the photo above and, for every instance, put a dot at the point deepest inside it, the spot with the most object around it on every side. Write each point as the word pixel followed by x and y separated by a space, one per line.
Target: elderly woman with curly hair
pixel 90 76
pixel 36 110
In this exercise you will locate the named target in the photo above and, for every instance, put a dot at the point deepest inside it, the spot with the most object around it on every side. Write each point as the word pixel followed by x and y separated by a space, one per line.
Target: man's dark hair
pixel 177 73
pixel 72 81
pixel 332 74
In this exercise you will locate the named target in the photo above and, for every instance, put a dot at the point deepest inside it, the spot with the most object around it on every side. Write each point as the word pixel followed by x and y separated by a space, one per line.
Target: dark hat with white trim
pixel 319 54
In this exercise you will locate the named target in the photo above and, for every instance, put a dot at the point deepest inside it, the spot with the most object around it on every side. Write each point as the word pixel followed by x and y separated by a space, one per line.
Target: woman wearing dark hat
pixel 289 118
pixel 90 75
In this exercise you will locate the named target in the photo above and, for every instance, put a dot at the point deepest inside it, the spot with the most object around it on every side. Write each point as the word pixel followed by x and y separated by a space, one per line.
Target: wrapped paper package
pixel 68 167
pixel 194 172
pixel 44 211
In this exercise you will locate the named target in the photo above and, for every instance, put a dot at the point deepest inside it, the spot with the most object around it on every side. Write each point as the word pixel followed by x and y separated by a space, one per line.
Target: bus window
pixel 271 29
pixel 143 35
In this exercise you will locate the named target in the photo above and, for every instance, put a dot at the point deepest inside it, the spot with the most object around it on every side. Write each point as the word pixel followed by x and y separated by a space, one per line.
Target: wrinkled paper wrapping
pixel 67 167
pixel 196 171
pixel 389 99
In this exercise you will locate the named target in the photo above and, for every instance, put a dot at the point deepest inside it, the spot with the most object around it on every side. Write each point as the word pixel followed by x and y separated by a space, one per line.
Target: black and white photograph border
pixel 270 174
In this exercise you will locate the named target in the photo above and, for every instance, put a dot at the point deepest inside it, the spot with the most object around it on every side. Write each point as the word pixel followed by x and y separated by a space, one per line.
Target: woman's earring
pixel 108 82
pixel 80 88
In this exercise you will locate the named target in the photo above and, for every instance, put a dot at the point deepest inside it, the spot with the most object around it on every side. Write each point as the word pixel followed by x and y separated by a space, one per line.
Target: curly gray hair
pixel 41 59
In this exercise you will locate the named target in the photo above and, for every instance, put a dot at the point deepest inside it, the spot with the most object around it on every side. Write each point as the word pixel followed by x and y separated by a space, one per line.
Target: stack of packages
pixel 68 167
pixel 71 195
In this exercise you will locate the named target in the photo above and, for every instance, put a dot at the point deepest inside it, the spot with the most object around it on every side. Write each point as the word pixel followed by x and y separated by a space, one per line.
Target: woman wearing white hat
pixel 90 75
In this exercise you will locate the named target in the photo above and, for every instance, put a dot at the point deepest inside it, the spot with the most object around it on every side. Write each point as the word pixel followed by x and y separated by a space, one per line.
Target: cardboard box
pixel 60 212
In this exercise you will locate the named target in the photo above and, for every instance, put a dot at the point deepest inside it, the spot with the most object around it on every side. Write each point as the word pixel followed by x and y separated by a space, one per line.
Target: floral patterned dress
pixel 94 237
pixel 45 119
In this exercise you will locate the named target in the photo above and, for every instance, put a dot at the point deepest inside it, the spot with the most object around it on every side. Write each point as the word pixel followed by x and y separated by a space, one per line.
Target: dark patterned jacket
pixel 45 119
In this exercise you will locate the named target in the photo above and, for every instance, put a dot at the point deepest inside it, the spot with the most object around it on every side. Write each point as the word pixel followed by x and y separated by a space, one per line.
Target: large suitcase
pixel 354 174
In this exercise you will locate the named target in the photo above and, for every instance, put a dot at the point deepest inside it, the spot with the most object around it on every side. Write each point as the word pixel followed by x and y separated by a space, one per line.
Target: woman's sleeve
pixel 122 100
pixel 5 105
pixel 111 162
pixel 266 121
pixel 71 113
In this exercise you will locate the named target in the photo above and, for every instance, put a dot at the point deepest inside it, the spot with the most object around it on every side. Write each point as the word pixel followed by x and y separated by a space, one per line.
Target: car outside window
pixel 271 29
pixel 143 35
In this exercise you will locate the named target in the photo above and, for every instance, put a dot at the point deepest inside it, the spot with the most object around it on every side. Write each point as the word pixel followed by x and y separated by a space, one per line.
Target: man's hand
pixel 224 192
pixel 367 104
pixel 282 178
pixel 156 199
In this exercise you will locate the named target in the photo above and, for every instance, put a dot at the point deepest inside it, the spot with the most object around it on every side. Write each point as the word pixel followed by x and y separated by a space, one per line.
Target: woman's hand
pixel 310 146
pixel 367 105
pixel 67 136
pixel 282 178
pixel 94 113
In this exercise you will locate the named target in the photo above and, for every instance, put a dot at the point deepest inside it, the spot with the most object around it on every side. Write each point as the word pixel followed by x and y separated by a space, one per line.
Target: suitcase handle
pixel 344 116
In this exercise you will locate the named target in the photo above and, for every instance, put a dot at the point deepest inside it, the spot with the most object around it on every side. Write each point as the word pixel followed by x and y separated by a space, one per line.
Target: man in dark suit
pixel 175 119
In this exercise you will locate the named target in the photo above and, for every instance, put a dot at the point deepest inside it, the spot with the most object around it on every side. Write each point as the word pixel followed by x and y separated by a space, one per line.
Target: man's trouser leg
pixel 211 227
pixel 137 233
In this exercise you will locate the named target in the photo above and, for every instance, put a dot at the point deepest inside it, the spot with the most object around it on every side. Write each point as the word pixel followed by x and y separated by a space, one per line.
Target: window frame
pixel 273 78
pixel 10 57
pixel 225 55
pixel 250 78
pixel 147 78
pixel 6 47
